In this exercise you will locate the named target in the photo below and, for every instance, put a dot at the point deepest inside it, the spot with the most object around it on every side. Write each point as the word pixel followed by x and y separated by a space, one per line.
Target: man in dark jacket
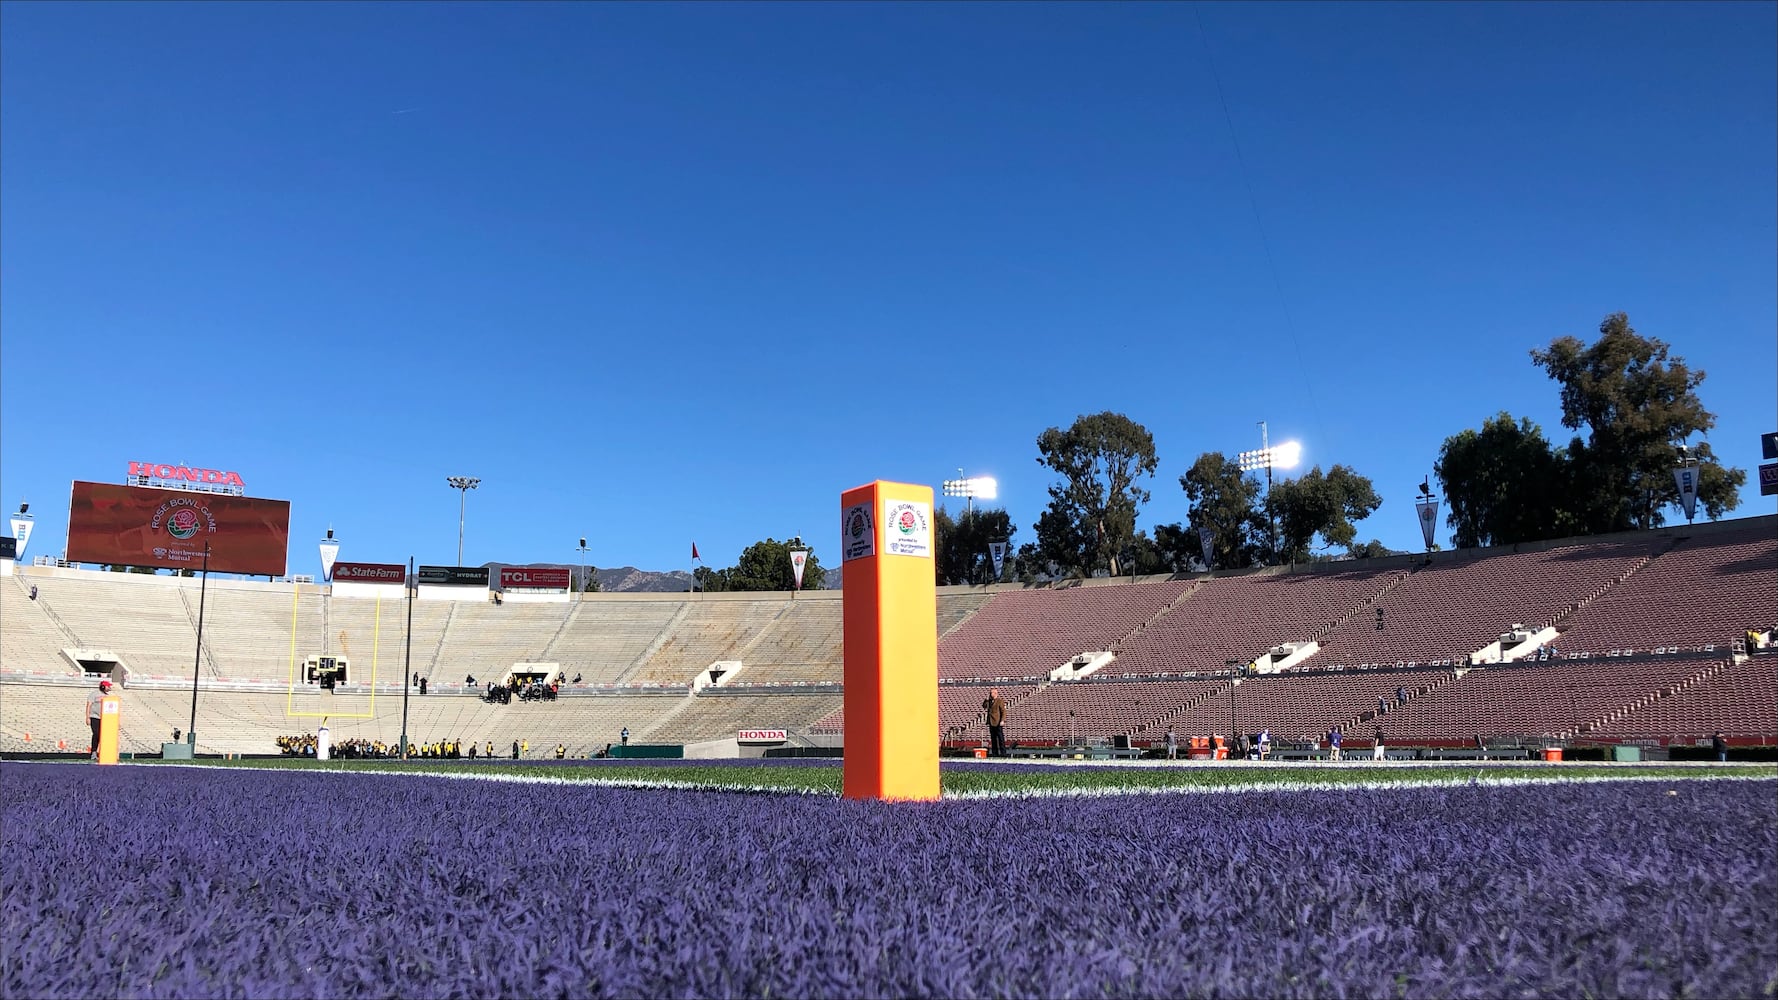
pixel 996 710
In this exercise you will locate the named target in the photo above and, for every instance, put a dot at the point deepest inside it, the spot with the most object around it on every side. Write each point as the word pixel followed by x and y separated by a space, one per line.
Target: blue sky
pixel 662 274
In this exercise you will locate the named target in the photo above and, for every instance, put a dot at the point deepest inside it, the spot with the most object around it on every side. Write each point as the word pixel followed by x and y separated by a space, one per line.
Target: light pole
pixel 197 660
pixel 462 484
pixel 986 487
pixel 1284 456
pixel 580 594
pixel 1234 720
pixel 407 663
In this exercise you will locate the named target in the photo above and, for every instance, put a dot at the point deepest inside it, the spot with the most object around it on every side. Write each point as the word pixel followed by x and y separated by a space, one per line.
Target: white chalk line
pixel 1446 781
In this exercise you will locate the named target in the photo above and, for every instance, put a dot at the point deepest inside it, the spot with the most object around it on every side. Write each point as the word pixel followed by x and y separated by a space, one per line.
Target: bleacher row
pixel 1409 623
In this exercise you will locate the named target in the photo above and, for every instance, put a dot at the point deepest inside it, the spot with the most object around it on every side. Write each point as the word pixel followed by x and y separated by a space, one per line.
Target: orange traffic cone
pixel 61 744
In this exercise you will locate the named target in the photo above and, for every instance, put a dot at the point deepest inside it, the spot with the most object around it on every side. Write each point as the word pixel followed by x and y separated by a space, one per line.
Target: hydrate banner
pixel 452 576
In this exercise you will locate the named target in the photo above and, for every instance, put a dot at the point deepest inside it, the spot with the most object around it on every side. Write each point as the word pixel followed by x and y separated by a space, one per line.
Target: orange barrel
pixel 981 752
pixel 1552 754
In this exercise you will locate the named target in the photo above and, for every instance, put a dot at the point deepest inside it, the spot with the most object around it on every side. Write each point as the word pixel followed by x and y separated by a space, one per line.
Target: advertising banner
pixel 452 576
pixel 357 572
pixel 9 547
pixel 1428 510
pixel 534 578
pixel 997 552
pixel 762 736
pixel 21 530
pixel 1686 478
pixel 1768 479
pixel 167 529
pixel 799 560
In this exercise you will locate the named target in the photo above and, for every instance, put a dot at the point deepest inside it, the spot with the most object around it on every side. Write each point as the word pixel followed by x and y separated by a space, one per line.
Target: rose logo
pixel 183 524
pixel 905 523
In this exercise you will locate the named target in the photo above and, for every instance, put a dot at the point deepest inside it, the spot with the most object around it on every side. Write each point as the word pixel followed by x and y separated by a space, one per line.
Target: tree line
pixel 1633 405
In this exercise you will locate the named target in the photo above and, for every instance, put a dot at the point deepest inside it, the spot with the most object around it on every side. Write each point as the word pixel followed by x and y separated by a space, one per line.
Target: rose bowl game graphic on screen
pixel 142 526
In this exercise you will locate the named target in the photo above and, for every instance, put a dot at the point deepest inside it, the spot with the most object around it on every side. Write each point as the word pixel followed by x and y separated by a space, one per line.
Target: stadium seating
pixel 1686 593
pixel 1451 609
pixel 1728 583
pixel 30 641
pixel 1099 709
pixel 1739 700
pixel 704 632
pixel 1241 618
pixel 1299 706
pixel 1552 700
pixel 1051 626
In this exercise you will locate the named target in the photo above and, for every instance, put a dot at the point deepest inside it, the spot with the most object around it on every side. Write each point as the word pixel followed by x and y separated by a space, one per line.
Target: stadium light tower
pixel 1268 457
pixel 985 487
pixel 581 587
pixel 462 484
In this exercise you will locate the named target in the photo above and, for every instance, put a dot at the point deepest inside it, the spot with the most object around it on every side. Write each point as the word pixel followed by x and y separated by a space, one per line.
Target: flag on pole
pixel 694 552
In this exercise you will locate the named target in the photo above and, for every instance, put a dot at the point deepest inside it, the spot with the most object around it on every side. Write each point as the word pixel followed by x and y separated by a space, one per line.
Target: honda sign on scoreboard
pixel 534 578
pixel 169 529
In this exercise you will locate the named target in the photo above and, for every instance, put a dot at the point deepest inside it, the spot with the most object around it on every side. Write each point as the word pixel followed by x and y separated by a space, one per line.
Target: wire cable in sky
pixel 1265 243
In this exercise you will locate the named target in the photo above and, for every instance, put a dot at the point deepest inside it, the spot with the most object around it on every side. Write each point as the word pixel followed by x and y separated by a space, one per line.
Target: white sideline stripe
pixel 1455 781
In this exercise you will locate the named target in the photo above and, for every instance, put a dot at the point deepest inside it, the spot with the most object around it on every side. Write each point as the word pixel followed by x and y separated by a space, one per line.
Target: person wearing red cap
pixel 95 707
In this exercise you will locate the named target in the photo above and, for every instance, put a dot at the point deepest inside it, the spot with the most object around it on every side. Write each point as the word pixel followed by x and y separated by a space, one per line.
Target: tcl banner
pixel 521 578
pixel 351 572
pixel 168 529
pixel 452 576
pixel 9 547
pixel 762 736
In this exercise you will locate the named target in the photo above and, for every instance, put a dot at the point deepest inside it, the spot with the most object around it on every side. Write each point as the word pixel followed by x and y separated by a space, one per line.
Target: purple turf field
pixel 170 882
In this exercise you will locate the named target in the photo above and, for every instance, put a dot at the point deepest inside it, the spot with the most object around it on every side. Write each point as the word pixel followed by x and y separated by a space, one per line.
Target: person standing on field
pixel 95 710
pixel 996 709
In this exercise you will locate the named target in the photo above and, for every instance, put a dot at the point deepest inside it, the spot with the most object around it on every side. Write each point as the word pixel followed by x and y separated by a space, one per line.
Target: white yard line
pixel 1547 774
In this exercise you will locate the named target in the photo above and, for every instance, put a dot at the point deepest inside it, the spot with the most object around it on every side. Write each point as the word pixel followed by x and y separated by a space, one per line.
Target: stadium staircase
pixel 1160 724
pixel 1703 676
pixel 191 614
pixel 667 633
pixel 24 590
pixel 444 633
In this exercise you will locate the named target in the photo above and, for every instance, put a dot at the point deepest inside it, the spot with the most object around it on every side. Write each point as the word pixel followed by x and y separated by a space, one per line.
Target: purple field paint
pixel 152 882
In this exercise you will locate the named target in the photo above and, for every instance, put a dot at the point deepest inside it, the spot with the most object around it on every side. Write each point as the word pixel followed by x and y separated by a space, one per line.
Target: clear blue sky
pixel 665 273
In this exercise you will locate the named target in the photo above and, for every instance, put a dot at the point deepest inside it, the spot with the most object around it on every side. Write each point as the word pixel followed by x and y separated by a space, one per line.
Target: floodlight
pixel 1287 455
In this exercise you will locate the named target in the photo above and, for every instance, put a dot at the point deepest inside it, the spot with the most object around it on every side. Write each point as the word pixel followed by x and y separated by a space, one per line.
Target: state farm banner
pixel 534 578
pixel 356 572
pixel 452 576
pixel 168 529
